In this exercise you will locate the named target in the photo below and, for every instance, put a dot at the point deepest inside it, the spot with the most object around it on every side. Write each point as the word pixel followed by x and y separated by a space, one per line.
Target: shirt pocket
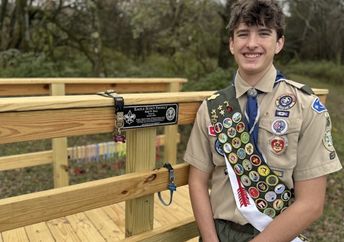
pixel 286 160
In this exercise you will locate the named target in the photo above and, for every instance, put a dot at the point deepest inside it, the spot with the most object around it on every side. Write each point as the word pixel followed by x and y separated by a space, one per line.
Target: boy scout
pixel 261 141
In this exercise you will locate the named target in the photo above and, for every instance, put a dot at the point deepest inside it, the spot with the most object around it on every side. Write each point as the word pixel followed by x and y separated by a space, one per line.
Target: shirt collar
pixel 265 84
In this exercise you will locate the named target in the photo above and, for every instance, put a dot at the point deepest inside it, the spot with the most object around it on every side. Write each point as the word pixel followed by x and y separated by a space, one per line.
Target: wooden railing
pixel 24 119
pixel 58 156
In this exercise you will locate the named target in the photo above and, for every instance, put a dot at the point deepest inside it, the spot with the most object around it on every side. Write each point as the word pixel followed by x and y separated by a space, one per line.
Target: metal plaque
pixel 140 116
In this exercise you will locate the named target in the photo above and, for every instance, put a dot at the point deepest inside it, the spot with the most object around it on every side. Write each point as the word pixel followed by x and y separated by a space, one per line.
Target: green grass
pixel 330 227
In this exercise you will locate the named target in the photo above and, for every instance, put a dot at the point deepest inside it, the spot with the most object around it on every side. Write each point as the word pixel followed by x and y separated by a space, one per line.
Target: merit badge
pixel 236 117
pixel 218 127
pixel 231 132
pixel 261 203
pixel 254 176
pixel 285 102
pixel 270 196
pixel 245 180
pixel 233 158
pixel 245 137
pixel 327 141
pixel 280 188
pixel 240 127
pixel 227 148
pixel 254 193
pixel 241 153
pixel 278 204
pixel 317 106
pixel 278 144
pixel 255 160
pixel 227 123
pixel 211 130
pixel 270 212
pixel 263 170
pixel 218 148
pixel 247 165
pixel 286 195
pixel 236 142
pixel 249 148
pixel 238 169
pixel 279 126
pixel 283 114
pixel 223 138
pixel 272 180
pixel 262 186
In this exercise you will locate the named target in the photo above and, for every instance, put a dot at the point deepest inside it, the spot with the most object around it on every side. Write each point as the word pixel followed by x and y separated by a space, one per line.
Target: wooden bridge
pixel 111 209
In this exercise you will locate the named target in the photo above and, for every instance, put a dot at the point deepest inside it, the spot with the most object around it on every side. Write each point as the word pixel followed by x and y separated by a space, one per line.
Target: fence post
pixel 139 213
pixel 171 131
pixel 59 147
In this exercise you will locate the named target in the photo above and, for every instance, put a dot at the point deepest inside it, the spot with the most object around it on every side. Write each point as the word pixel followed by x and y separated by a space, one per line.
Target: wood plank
pixel 23 126
pixel 41 206
pixel 179 231
pixel 25 160
pixel 105 225
pixel 62 230
pixel 15 235
pixel 39 232
pixel 141 153
pixel 117 212
pixel 84 228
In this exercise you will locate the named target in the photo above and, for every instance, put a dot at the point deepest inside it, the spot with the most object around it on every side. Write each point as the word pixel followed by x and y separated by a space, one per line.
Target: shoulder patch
pixel 317 106
pixel 304 88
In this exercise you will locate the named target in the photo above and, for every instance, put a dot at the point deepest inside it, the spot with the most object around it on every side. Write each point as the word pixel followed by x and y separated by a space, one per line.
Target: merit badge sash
pixel 259 193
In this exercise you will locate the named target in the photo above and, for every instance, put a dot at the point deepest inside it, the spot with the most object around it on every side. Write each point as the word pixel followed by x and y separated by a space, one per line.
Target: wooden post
pixel 139 213
pixel 59 147
pixel 171 131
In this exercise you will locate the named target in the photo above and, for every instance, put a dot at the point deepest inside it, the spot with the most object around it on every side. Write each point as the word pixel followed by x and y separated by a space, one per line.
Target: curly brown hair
pixel 257 12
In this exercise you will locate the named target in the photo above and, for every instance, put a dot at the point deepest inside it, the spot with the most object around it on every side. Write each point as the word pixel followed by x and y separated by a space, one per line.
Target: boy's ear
pixel 230 45
pixel 280 44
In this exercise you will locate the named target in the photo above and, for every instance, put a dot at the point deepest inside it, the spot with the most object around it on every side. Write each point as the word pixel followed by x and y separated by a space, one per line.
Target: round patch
pixel 278 204
pixel 247 165
pixel 218 148
pixel 227 148
pixel 245 137
pixel 254 193
pixel 249 148
pixel 236 117
pixel 261 203
pixel 256 161
pixel 262 186
pixel 285 102
pixel 218 127
pixel 238 169
pixel 270 196
pixel 270 212
pixel 231 132
pixel 245 180
pixel 279 126
pixel 240 127
pixel 272 180
pixel 263 170
pixel 223 138
pixel 233 158
pixel 254 176
pixel 280 188
pixel 227 123
pixel 241 153
pixel 327 141
pixel 236 142
pixel 278 144
pixel 286 196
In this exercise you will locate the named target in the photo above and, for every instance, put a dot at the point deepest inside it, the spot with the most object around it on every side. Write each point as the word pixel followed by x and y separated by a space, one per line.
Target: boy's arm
pixel 198 188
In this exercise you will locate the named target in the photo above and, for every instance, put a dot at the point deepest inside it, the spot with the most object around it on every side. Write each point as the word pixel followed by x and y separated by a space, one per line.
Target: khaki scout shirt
pixel 309 151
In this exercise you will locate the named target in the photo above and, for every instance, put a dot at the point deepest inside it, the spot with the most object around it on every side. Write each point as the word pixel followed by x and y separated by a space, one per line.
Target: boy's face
pixel 254 48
